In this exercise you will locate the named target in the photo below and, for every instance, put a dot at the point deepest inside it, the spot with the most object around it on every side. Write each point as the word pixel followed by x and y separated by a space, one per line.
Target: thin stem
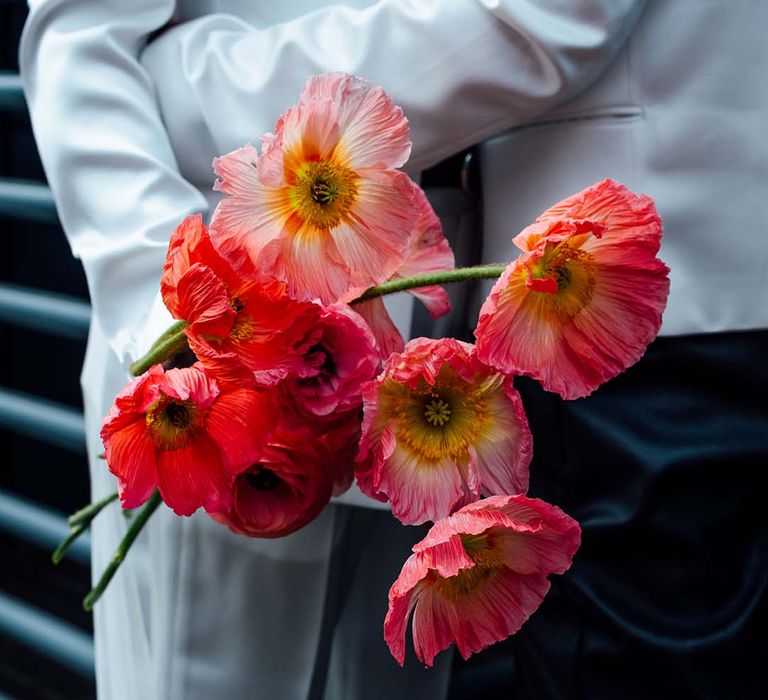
pixel 78 523
pixel 85 515
pixel 61 550
pixel 122 549
pixel 171 342
pixel 461 274
pixel 174 340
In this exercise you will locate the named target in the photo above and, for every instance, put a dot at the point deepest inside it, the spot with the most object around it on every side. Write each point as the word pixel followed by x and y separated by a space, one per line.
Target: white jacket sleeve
pixel 463 70
pixel 105 150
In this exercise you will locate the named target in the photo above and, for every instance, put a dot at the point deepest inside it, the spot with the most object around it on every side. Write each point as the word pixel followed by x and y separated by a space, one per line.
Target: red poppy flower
pixel 181 433
pixel 242 331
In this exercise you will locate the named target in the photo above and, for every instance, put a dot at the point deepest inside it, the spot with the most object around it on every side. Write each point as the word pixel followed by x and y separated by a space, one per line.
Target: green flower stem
pixel 85 515
pixel 61 550
pixel 165 347
pixel 461 274
pixel 79 523
pixel 174 340
pixel 122 549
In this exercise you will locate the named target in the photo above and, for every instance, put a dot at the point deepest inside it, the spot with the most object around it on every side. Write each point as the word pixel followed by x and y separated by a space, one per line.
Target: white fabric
pixel 127 136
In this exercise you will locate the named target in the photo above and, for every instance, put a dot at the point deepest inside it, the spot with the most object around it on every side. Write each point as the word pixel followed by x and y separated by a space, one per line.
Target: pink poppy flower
pixel 585 299
pixel 322 208
pixel 341 357
pixel 284 490
pixel 479 575
pixel 440 428
pixel 428 251
pixel 244 332
pixel 179 432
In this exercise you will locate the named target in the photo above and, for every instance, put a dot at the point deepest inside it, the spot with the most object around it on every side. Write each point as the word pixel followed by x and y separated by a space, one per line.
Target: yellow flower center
pixel 172 423
pixel 440 421
pixel 485 552
pixel 573 272
pixel 323 193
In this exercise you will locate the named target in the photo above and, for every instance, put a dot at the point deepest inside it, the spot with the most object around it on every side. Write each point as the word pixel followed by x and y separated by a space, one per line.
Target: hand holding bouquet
pixel 300 382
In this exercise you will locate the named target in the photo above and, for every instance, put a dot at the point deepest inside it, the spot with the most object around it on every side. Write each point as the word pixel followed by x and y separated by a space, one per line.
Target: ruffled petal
pixel 375 314
pixel 373 241
pixel 505 449
pixel 241 422
pixel 203 301
pixel 435 298
pixel 310 263
pixel 373 131
pixel 130 456
pixel 193 476
pixel 419 492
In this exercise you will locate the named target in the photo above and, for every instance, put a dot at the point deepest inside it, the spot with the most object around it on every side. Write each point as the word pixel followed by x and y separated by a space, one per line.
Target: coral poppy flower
pixel 584 301
pixel 284 490
pixel 428 251
pixel 322 207
pixel 243 331
pixel 342 356
pixel 440 428
pixel 179 432
pixel 479 575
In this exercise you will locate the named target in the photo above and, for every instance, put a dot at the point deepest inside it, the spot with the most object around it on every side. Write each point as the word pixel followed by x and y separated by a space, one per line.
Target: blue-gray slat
pixel 40 526
pixel 50 636
pixel 11 94
pixel 43 420
pixel 24 199
pixel 45 311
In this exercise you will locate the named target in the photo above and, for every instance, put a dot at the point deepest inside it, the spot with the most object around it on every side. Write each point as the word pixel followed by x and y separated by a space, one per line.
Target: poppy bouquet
pixel 285 378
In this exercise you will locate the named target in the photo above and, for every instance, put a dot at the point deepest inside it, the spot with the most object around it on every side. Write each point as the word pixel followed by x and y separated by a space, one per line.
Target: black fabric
pixel 664 467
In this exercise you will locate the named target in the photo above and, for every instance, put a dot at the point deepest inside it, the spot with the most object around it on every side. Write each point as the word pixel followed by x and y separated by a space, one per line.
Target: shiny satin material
pixel 664 468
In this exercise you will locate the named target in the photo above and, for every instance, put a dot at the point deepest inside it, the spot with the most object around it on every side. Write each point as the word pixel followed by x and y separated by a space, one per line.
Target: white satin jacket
pixel 665 98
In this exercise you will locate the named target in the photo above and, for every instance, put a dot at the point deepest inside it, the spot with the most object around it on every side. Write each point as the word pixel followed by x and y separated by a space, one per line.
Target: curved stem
pixel 167 345
pixel 61 550
pixel 461 274
pixel 122 549
pixel 85 515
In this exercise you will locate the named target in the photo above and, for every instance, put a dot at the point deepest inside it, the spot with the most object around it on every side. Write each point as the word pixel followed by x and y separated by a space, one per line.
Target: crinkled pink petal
pixel 237 171
pixel 435 298
pixel 372 242
pixel 505 450
pixel 312 266
pixel 309 131
pixel 375 314
pixel 417 491
pixel 478 575
pixel 344 356
pixel 190 383
pixel 373 131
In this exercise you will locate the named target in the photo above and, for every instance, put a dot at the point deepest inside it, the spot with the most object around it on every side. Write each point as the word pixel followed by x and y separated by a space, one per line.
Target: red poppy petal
pixel 242 422
pixel 194 476
pixel 130 455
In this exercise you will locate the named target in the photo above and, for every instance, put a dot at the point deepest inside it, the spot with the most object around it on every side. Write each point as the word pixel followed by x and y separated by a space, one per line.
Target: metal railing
pixel 41 419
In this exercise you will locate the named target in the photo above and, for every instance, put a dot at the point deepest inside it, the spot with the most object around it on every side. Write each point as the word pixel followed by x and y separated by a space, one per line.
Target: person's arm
pixel 105 150
pixel 463 70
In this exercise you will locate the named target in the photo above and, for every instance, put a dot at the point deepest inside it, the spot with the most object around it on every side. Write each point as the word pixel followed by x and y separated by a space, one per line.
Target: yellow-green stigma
pixel 488 561
pixel 171 421
pixel 324 192
pixel 437 411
